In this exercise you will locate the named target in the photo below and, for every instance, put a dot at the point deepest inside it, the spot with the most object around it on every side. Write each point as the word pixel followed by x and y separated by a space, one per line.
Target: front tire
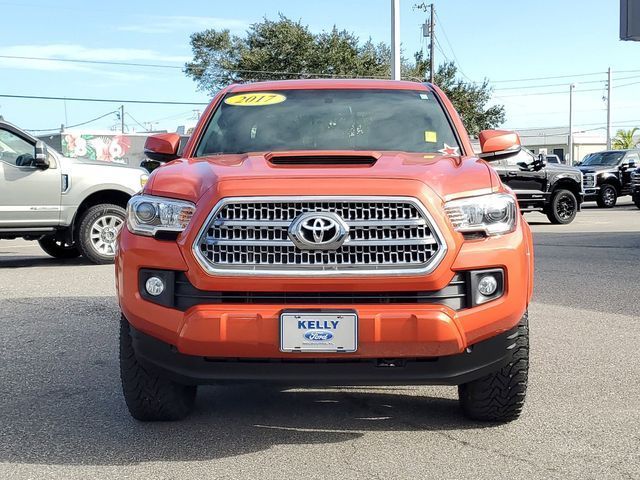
pixel 149 395
pixel 563 207
pixel 607 196
pixel 98 230
pixel 499 396
pixel 636 200
pixel 57 248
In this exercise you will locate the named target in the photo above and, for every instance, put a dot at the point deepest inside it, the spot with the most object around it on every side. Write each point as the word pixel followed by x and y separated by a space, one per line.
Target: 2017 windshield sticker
pixel 257 99
pixel 447 150
pixel 430 137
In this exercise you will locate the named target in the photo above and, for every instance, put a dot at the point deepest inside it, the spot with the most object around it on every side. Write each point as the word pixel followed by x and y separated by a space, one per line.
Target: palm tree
pixel 624 139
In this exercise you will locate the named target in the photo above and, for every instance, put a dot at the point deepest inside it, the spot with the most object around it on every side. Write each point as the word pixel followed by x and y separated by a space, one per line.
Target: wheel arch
pixel 614 182
pixel 114 196
pixel 570 184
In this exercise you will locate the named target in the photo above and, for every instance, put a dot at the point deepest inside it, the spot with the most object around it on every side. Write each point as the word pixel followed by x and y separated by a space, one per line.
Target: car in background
pixel 553 189
pixel 635 186
pixel 71 207
pixel 607 175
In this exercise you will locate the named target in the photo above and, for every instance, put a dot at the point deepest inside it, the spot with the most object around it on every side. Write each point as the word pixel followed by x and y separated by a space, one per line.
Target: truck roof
pixel 322 84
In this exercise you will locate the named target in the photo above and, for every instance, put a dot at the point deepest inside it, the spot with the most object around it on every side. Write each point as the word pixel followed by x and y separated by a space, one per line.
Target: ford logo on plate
pixel 318 335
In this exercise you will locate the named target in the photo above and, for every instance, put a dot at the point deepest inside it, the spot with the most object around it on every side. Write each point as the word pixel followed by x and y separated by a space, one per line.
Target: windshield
pixel 603 158
pixel 404 120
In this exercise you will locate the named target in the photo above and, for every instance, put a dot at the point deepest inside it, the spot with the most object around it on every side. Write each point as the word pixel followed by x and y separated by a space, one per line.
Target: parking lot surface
pixel 63 415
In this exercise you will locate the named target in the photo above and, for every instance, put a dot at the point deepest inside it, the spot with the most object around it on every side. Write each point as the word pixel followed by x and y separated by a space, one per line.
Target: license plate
pixel 318 331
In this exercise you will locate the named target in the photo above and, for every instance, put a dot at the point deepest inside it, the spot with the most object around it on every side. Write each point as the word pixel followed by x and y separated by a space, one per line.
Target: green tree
pixel 470 99
pixel 624 139
pixel 281 49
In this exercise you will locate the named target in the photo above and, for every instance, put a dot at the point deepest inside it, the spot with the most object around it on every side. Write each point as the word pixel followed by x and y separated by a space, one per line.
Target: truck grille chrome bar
pixel 386 236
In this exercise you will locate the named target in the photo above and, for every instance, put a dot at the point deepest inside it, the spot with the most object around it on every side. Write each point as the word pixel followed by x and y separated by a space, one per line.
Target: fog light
pixel 154 286
pixel 488 285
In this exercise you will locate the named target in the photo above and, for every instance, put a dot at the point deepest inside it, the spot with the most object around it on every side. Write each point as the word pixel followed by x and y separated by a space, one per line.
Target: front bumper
pixel 385 330
pixel 250 331
pixel 485 357
pixel 591 193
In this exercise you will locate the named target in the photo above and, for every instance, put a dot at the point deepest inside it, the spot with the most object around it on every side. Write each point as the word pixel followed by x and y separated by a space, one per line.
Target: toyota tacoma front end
pixel 326 232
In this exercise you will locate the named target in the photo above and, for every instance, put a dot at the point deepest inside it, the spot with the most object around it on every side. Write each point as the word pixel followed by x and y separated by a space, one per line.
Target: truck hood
pixel 594 168
pixel 447 176
pixel 561 168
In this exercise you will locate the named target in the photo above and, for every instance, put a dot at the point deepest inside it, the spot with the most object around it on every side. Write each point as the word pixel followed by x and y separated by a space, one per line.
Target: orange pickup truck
pixel 336 232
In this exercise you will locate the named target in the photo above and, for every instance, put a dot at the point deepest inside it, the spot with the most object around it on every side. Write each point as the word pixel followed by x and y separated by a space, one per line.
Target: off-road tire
pixel 149 395
pixel 607 196
pixel 84 232
pixel 57 248
pixel 563 207
pixel 499 397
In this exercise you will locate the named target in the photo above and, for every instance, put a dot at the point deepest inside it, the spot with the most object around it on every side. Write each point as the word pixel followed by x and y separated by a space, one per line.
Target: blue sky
pixel 499 40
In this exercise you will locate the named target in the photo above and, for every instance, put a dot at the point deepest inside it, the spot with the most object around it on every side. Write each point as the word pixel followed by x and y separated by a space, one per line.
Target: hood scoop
pixel 325 159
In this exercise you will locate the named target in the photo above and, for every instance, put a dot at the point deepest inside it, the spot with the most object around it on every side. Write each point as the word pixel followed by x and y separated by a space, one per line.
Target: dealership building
pixel 555 141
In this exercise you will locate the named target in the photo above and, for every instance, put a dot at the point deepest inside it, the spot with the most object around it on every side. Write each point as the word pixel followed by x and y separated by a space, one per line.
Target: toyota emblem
pixel 318 231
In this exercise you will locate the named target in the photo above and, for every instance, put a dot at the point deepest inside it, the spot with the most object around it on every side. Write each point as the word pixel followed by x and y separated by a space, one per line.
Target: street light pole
pixel 432 50
pixel 609 109
pixel 395 39
pixel 571 87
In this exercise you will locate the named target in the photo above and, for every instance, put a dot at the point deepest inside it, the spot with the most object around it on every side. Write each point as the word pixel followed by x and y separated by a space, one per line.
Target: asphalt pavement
pixel 62 414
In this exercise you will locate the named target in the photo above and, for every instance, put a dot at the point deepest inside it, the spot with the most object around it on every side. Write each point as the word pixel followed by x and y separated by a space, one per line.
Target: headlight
pixel 144 178
pixel 147 214
pixel 493 214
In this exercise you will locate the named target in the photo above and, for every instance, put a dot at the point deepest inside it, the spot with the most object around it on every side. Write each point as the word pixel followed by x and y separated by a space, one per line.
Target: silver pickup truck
pixel 71 207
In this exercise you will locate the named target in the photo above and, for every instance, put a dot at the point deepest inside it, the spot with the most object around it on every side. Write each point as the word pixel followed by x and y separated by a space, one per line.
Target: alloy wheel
pixel 104 232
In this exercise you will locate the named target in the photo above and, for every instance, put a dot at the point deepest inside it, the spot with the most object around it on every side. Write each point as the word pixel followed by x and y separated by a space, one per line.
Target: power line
pixel 97 62
pixel 620 123
pixel 565 84
pixel 547 93
pixel 314 74
pixel 136 121
pixel 176 67
pixel 546 85
pixel 553 77
pixel 71 126
pixel 105 100
pixel 455 57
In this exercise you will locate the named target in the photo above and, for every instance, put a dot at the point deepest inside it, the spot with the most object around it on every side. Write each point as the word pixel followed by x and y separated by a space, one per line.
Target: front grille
pixel 635 179
pixel 185 296
pixel 589 180
pixel 386 235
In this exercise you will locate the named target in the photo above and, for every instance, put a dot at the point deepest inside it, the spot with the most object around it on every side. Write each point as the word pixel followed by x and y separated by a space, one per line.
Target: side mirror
pixel 624 166
pixel 41 160
pixel 498 143
pixel 150 165
pixel 162 147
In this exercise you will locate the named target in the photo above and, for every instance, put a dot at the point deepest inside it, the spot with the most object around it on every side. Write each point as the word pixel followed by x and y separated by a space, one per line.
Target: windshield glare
pixel 398 120
pixel 603 158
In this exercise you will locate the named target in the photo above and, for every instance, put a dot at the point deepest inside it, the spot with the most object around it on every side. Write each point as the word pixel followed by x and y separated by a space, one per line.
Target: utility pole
pixel 432 50
pixel 122 118
pixel 571 87
pixel 395 39
pixel 609 109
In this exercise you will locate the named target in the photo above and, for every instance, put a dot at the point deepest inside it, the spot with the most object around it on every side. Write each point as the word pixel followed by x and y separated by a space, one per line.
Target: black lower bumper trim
pixel 478 361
